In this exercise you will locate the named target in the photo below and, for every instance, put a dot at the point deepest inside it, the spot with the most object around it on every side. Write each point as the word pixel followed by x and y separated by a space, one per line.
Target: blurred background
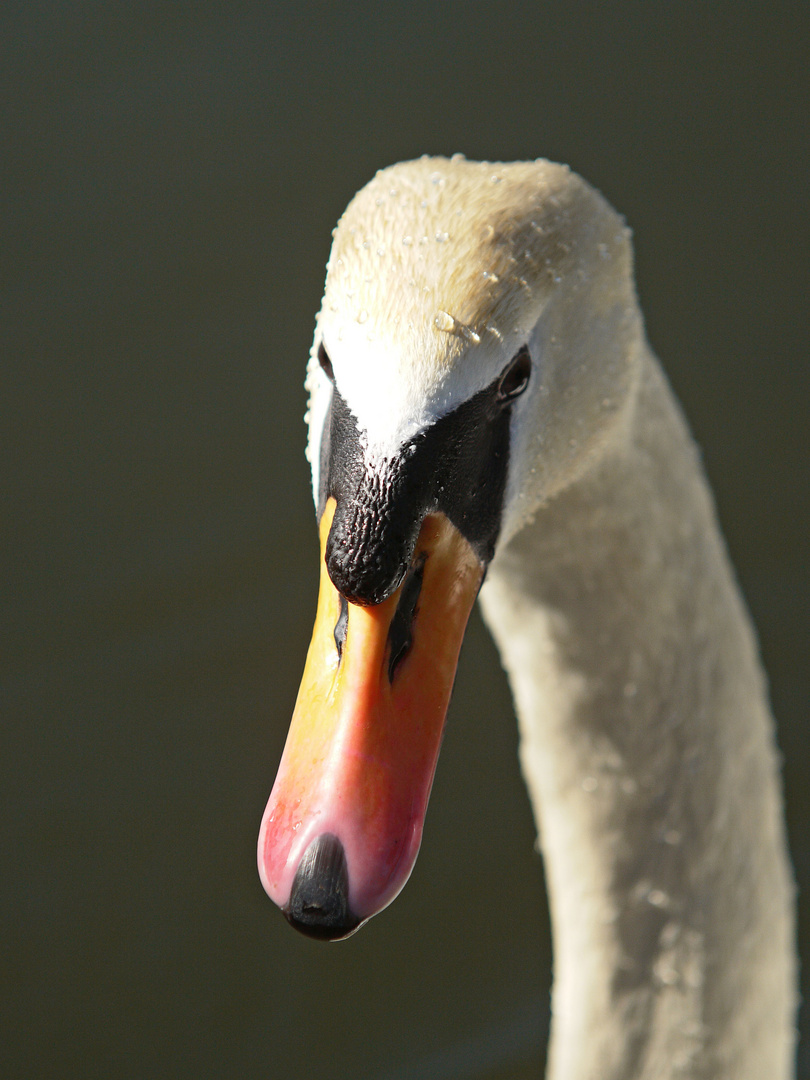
pixel 172 172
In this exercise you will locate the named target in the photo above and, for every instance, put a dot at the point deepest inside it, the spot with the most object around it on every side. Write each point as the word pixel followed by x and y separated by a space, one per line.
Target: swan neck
pixel 647 747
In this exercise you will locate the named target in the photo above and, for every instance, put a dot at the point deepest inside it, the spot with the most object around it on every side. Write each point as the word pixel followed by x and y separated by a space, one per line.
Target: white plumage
pixel 646 739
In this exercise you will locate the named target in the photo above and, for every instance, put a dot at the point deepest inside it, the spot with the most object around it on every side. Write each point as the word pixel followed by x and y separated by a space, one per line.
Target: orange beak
pixel 343 825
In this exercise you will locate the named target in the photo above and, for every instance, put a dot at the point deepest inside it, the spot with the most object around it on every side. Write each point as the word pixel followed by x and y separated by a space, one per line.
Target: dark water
pixel 172 174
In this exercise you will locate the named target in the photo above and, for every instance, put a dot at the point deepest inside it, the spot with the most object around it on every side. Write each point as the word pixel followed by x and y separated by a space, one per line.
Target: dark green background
pixel 171 174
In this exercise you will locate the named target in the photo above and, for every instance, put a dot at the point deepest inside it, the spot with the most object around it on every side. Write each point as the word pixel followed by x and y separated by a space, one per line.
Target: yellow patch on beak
pixel 364 741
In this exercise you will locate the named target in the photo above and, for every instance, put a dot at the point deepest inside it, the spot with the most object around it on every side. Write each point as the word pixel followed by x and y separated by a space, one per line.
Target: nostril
pixel 400 633
pixel 341 626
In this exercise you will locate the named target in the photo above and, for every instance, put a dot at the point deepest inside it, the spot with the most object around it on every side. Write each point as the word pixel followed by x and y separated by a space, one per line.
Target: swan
pixel 483 404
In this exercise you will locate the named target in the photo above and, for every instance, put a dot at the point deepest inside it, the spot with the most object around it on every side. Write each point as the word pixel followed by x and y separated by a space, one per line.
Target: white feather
pixel 647 743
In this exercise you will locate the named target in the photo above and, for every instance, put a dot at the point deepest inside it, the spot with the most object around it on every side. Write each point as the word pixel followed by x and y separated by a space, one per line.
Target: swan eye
pixel 326 363
pixel 516 377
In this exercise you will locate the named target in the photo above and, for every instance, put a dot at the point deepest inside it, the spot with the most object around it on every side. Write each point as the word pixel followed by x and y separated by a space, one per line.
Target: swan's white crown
pixel 440 270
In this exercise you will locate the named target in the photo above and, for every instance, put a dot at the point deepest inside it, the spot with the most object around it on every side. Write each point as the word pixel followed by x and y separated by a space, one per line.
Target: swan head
pixel 475 353
pixel 441 271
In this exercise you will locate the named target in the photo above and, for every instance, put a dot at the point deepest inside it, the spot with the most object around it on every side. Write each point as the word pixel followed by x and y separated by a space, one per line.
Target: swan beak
pixel 344 822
